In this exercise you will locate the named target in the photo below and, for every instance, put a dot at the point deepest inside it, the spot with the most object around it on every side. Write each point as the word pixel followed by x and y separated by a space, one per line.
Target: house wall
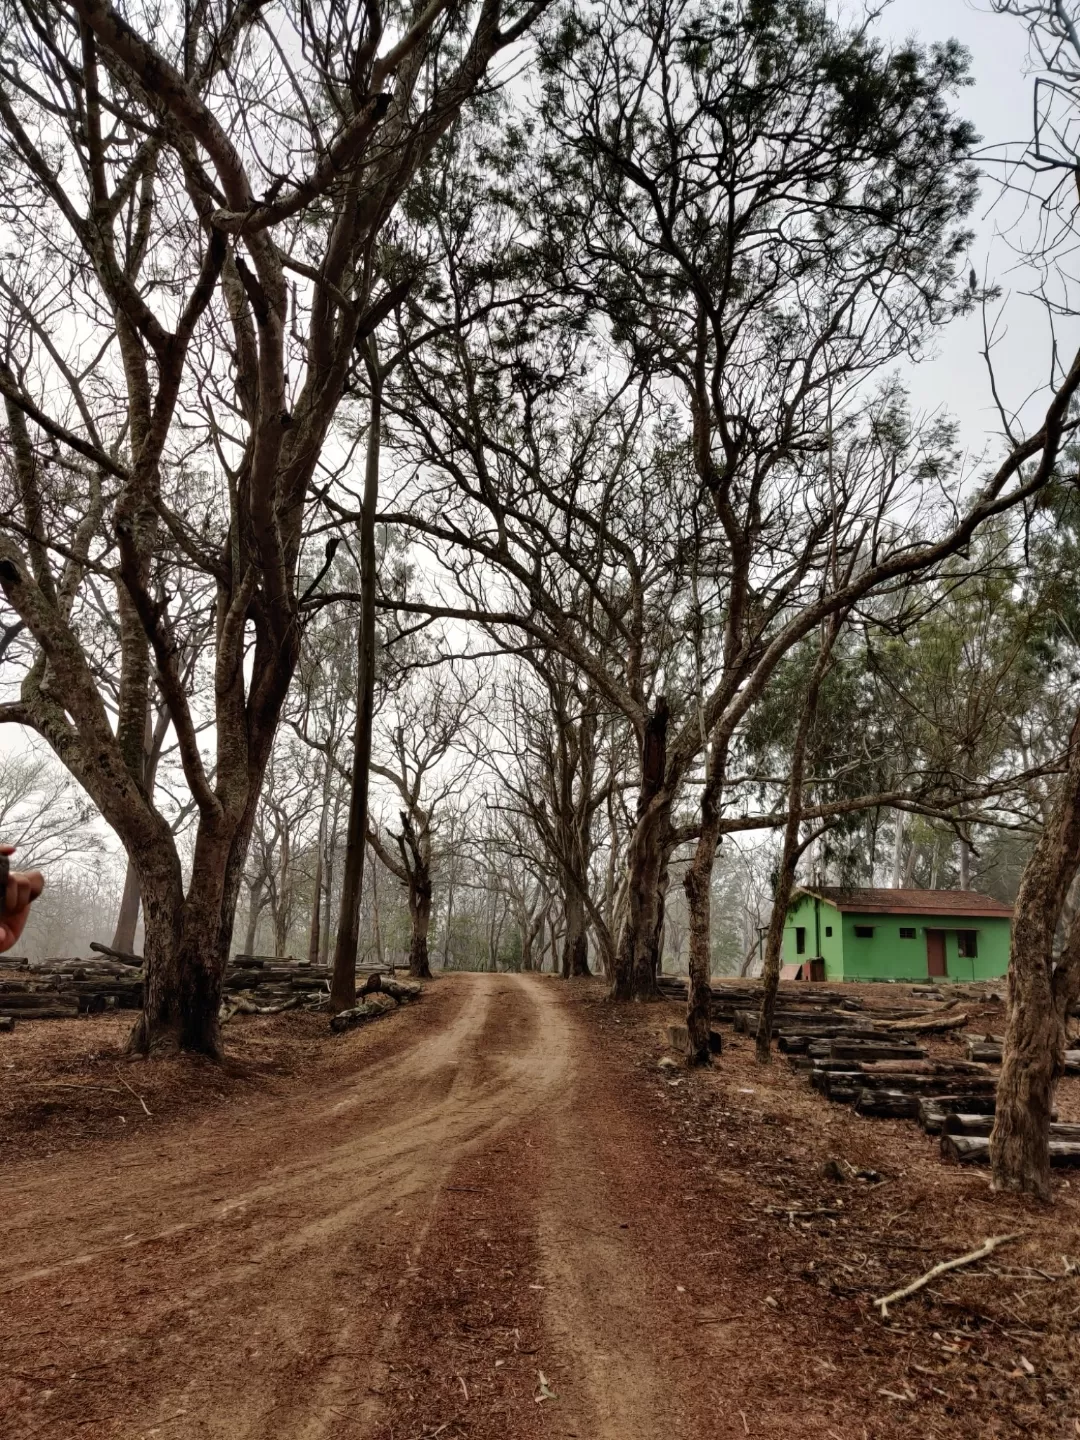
pixel 818 917
pixel 887 957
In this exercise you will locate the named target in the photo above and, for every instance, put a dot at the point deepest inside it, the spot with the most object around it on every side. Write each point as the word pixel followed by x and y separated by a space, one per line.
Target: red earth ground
pixel 494 1215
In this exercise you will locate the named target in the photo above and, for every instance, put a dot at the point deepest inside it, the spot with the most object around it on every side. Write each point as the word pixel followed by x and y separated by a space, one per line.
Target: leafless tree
pixel 195 204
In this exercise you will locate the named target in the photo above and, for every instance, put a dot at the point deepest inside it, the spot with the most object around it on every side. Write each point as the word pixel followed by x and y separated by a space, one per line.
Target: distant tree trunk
pixel 255 904
pixel 698 886
pixel 343 986
pixel 328 870
pixel 636 955
pixel 420 915
pixel 533 928
pixel 748 959
pixel 909 867
pixel 449 918
pixel 1040 997
pixel 575 957
pixel 127 921
pixel 965 864
pixel 659 928
pixel 898 850
pixel 283 907
pixel 376 919
pixel 315 928
pixel 792 849
pixel 315 932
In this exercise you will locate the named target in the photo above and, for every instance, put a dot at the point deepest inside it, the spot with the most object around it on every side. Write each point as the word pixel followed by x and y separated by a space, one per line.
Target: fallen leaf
pixel 546 1392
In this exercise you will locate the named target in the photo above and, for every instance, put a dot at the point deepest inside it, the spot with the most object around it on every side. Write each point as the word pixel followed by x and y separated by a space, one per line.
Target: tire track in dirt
pixel 229 1280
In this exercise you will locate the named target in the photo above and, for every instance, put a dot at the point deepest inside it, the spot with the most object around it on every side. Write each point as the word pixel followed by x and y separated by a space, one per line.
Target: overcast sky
pixel 999 103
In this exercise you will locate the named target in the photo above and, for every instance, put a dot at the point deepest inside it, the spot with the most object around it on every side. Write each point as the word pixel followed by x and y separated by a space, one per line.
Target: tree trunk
pixel 659 931
pixel 965 864
pixel 420 914
pixel 1040 996
pixel 255 904
pixel 635 958
pixel 898 850
pixel 575 956
pixel 315 928
pixel 449 917
pixel 188 937
pixel 127 921
pixel 328 871
pixel 698 887
pixel 789 856
pixel 343 986
pixel 375 917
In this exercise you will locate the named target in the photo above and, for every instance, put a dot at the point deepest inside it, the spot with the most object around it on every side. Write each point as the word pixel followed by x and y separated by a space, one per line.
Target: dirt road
pixel 449 1237
pixel 492 1216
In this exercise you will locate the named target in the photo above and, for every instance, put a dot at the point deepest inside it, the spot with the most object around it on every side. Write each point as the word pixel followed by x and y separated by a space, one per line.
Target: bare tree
pixel 430 717
pixel 197 206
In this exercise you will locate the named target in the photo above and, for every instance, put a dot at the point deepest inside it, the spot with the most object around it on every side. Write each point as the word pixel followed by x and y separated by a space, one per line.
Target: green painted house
pixel 845 934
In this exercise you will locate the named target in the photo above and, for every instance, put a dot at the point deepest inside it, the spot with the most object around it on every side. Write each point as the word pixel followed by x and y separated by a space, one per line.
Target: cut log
pixel 52 1012
pixel 402 990
pixel 983 1124
pixel 831 1082
pixel 932 1112
pixel 975 1150
pixel 124 956
pixel 922 1067
pixel 991 1055
pixel 890 1104
pixel 346 1019
pixel 7 1024
pixel 858 1050
pixel 928 1025
pixel 34 1000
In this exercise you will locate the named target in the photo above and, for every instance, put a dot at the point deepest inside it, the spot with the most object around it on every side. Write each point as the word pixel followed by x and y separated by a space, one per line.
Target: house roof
pixel 912 902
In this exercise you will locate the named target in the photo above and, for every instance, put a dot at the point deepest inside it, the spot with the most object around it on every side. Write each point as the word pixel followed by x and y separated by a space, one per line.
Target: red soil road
pixel 476 1232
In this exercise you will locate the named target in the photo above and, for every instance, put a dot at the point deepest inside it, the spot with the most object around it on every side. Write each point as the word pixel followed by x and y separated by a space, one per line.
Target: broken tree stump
pixel 679 1039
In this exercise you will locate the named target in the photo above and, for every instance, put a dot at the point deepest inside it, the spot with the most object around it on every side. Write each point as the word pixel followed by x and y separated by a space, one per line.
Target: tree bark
pixel 127 921
pixel 315 928
pixel 343 985
pixel 698 887
pixel 188 938
pixel 1039 997
pixel 898 849
pixel 575 956
pixel 255 904
pixel 792 849
pixel 420 915
pixel 635 958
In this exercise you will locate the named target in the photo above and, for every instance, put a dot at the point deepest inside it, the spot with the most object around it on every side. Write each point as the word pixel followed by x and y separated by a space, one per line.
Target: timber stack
pixel 61 988
pixel 870 1057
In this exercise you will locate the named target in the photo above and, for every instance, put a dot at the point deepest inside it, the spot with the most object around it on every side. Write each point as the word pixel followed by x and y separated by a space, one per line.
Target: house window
pixel 907 932
pixel 828 930
pixel 967 944
pixel 800 939
pixel 864 932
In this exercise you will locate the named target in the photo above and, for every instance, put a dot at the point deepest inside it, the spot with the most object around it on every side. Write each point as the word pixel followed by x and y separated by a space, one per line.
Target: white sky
pixel 999 104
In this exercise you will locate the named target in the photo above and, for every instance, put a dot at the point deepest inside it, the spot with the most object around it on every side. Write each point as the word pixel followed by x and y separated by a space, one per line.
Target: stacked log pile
pixel 60 988
pixel 869 1057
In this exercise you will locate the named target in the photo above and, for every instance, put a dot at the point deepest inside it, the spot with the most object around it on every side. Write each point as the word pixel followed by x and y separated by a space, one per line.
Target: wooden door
pixel 935 953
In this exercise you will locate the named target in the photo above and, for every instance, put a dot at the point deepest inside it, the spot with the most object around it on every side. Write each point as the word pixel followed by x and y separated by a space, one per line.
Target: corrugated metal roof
pixel 911 902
